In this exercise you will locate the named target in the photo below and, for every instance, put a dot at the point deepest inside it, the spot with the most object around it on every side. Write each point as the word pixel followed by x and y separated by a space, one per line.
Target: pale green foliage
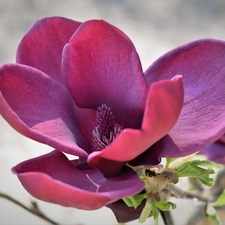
pixel 153 207
pixel 212 215
pixel 145 212
pixel 135 200
pixel 200 163
pixel 169 160
pixel 192 169
pixel 182 167
pixel 211 212
pixel 214 218
pixel 164 205
pixel 142 177
pixel 180 161
pixel 220 201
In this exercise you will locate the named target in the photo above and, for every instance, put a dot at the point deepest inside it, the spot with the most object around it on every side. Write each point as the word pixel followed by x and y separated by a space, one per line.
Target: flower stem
pixel 178 193
pixel 34 209
pixel 167 217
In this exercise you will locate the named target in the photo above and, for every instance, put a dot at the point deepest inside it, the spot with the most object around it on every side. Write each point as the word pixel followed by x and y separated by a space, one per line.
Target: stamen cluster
pixel 106 131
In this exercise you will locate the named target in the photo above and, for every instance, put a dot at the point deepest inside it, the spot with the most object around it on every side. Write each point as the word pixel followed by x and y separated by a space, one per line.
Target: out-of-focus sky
pixel 154 26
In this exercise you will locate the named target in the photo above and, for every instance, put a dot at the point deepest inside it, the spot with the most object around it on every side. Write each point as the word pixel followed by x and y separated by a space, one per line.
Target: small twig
pixel 178 193
pixel 167 217
pixel 34 209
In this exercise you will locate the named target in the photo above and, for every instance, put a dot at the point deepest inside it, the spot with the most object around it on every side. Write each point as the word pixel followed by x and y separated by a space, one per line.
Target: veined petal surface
pixel 42 46
pixel 103 65
pixel 53 178
pixel 202 65
pixel 40 108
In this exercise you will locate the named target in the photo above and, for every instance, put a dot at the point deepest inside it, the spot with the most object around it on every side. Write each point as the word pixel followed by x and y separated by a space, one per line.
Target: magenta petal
pixel 222 139
pixel 153 154
pixel 124 213
pixel 162 110
pixel 86 119
pixel 202 64
pixel 53 178
pixel 215 152
pixel 42 46
pixel 103 65
pixel 40 108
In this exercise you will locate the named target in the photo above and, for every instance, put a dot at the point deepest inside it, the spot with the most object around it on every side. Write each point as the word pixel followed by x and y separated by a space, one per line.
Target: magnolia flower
pixel 80 88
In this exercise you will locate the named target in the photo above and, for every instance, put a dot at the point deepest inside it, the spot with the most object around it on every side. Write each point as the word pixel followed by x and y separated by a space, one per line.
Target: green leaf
pixel 212 215
pixel 145 212
pixel 214 218
pixel 220 201
pixel 164 205
pixel 155 211
pixel 205 163
pixel 153 207
pixel 142 177
pixel 169 160
pixel 190 169
pixel 135 200
pixel 182 161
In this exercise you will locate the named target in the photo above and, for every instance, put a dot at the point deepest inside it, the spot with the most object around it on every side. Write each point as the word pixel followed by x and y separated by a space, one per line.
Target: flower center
pixel 106 131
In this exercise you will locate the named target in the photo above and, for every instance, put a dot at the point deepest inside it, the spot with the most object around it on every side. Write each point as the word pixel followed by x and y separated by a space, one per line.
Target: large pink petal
pixel 162 110
pixel 202 65
pixel 53 178
pixel 101 66
pixel 40 108
pixel 42 46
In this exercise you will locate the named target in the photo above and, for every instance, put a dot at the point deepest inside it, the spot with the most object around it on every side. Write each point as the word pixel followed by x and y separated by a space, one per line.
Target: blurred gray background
pixel 155 27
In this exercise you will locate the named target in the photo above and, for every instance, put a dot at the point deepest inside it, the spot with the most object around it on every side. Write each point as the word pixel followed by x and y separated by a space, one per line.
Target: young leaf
pixel 220 201
pixel 145 212
pixel 164 205
pixel 153 207
pixel 205 163
pixel 213 218
pixel 142 177
pixel 169 160
pixel 212 215
pixel 190 169
pixel 182 161
pixel 155 211
pixel 135 200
